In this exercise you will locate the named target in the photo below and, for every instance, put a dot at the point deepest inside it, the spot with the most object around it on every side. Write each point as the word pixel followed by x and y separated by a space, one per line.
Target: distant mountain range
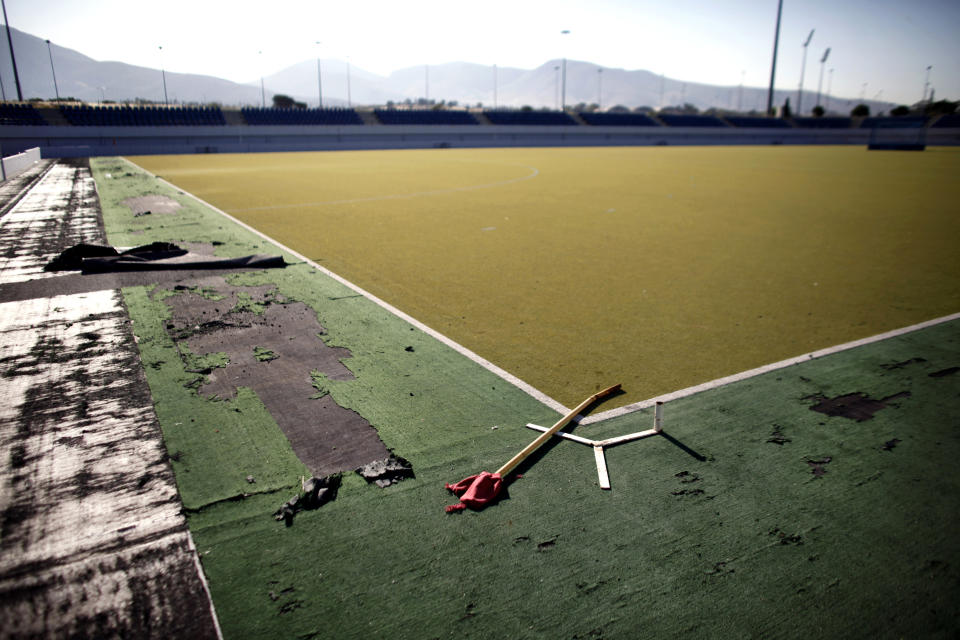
pixel 90 80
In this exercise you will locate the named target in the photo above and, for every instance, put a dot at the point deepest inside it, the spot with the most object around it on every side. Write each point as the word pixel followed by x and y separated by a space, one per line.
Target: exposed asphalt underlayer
pixel 93 540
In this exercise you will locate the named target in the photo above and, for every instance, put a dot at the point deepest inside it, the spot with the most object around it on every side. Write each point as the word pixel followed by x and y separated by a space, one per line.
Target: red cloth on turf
pixel 476 491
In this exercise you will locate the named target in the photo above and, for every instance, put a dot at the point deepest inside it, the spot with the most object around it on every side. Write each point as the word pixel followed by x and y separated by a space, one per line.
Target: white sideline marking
pixel 399 196
pixel 456 346
pixel 751 373
pixel 533 391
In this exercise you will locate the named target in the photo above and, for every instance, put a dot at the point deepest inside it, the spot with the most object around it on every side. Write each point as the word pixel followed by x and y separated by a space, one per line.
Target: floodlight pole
pixel 803 69
pixel 263 93
pixel 829 89
pixel 563 89
pixel 494 86
pixel 163 75
pixel 740 96
pixel 426 82
pixel 820 84
pixel 599 89
pixel 926 84
pixel 56 91
pixel 349 99
pixel 13 60
pixel 773 66
pixel 319 81
pixel 556 87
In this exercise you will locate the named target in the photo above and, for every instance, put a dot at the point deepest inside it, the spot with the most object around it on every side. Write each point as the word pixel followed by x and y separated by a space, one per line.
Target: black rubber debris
pixel 387 471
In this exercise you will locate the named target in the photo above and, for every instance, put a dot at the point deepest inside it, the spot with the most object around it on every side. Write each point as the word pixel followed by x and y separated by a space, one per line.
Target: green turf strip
pixel 743 541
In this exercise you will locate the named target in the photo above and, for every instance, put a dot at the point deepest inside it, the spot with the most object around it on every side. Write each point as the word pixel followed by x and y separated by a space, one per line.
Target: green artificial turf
pixel 721 530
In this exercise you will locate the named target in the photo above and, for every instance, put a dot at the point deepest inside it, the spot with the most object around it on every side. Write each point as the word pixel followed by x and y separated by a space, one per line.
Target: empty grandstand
pixel 423 116
pixel 273 116
pixel 823 123
pixel 141 116
pixel 536 118
pixel 600 119
pixel 951 121
pixel 758 122
pixel 688 120
pixel 907 122
pixel 20 114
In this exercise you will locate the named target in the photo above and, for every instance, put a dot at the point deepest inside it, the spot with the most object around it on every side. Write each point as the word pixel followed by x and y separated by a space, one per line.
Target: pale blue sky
pixel 886 44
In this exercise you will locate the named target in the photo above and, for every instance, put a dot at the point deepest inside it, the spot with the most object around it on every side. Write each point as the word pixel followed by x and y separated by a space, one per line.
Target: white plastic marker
pixel 600 445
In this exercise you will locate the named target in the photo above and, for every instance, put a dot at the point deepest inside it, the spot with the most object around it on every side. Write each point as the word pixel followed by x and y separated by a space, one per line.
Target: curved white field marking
pixel 534 172
pixel 536 393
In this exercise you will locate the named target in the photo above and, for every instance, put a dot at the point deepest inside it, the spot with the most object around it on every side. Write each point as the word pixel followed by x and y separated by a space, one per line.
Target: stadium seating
pixel 537 118
pixel 823 123
pixel 687 120
pixel 273 116
pixel 423 116
pixel 20 114
pixel 903 122
pixel 948 121
pixel 618 119
pixel 142 116
pixel 758 122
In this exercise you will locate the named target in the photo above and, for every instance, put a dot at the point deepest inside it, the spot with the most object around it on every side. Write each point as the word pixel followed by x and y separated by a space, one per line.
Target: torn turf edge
pixel 530 389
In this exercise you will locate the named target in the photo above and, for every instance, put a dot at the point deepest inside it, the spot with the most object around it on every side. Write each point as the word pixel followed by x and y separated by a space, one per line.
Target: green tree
pixel 818 111
pixel 902 110
pixel 281 101
pixel 860 111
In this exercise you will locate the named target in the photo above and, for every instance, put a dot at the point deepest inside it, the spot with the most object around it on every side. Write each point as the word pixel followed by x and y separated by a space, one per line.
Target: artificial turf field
pixel 661 268
pixel 758 517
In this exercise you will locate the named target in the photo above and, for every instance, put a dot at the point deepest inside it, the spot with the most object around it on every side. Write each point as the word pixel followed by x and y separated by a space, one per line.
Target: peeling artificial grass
pixel 732 536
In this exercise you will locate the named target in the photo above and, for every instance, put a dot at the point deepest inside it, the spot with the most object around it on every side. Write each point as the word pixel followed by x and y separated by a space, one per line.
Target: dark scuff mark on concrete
pixel 855 406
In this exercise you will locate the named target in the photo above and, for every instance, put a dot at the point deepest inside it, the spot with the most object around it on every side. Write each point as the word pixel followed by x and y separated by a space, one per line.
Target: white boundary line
pixel 456 346
pixel 536 393
pixel 751 373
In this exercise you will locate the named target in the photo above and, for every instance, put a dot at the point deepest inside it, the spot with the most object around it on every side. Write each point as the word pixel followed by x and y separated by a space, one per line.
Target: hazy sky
pixel 886 44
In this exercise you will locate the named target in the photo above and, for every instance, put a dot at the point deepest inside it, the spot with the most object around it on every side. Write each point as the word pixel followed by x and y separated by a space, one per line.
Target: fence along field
pixel 573 268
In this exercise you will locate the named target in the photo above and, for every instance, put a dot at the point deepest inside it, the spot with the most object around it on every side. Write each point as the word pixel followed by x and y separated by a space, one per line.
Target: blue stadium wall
pixel 66 141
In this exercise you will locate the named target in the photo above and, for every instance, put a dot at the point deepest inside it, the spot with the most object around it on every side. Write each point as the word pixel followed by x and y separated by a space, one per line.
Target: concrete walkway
pixel 92 539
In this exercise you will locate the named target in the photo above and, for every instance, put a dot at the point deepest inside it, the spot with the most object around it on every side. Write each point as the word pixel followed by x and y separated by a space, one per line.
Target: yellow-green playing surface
pixel 575 268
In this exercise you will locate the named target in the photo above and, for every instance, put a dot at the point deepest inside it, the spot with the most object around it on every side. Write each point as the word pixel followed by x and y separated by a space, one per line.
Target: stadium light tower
pixel 263 93
pixel 426 82
pixel 820 84
pixel 56 91
pixel 599 89
pixel 13 60
pixel 349 98
pixel 773 66
pixel 926 84
pixel 163 75
pixel 563 89
pixel 556 87
pixel 829 89
pixel 494 86
pixel 803 68
pixel 319 80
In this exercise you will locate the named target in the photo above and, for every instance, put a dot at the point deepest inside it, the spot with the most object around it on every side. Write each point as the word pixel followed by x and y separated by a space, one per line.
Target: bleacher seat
pixel 20 114
pixel 423 116
pixel 689 120
pixel 838 122
pixel 537 118
pixel 618 119
pixel 758 122
pixel 274 116
pixel 148 116
pixel 951 120
pixel 902 122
